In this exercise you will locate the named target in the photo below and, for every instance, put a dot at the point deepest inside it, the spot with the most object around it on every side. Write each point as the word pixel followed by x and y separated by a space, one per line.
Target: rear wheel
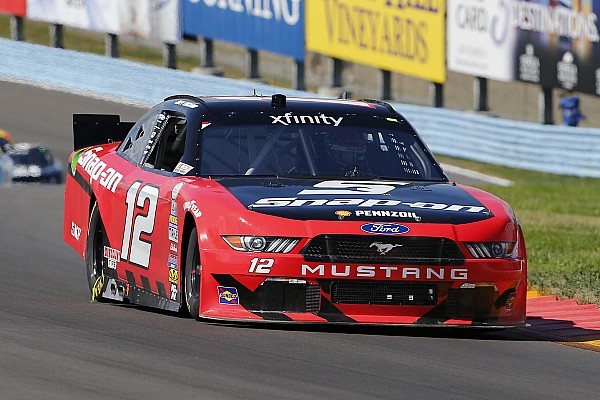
pixel 192 274
pixel 94 261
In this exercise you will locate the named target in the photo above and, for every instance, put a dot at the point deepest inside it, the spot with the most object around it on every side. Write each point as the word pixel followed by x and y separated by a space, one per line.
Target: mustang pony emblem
pixel 384 248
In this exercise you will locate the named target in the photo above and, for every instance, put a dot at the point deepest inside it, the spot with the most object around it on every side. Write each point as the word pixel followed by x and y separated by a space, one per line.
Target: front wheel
pixel 192 274
pixel 94 260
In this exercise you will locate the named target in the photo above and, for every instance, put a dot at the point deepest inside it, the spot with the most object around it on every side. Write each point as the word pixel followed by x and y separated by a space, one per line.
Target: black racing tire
pixel 192 275
pixel 94 252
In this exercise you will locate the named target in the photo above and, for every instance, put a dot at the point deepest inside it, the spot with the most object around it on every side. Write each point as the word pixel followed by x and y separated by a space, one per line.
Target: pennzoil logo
pixel 228 295
pixel 341 214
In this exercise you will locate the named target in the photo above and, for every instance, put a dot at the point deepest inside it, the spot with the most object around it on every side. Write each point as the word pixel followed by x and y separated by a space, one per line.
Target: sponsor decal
pixel 98 170
pixel 173 219
pixel 388 214
pixel 384 229
pixel 384 248
pixel 182 168
pixel 173 261
pixel 228 295
pixel 343 214
pixel 173 247
pixel 174 209
pixel 75 231
pixel 175 191
pixel 174 292
pixel 173 233
pixel 112 256
pixel 192 207
pixel 205 125
pixel 173 275
pixel 366 203
pixel 385 271
pixel 187 104
pixel 289 119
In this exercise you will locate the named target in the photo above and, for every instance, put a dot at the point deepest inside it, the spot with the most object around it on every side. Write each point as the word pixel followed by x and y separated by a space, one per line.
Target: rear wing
pixel 93 129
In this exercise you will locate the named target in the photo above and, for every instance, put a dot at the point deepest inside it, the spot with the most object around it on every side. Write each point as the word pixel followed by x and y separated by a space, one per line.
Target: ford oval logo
pixel 385 229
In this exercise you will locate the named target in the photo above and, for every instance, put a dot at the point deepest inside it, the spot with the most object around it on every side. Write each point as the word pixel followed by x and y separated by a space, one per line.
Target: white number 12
pixel 135 249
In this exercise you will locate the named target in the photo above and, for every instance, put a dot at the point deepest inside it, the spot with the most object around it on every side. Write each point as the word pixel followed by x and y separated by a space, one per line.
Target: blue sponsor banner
pixel 272 25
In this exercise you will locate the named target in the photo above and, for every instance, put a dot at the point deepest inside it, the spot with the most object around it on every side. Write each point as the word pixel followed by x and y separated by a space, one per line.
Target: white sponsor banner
pixel 152 19
pixel 95 15
pixel 481 38
pixel 147 19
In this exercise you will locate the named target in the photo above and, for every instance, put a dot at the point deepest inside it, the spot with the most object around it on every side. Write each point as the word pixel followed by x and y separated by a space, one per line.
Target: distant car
pixel 35 163
pixel 291 210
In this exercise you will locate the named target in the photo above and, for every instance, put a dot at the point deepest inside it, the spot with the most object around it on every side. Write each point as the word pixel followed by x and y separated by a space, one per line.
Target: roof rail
pixel 381 103
pixel 184 96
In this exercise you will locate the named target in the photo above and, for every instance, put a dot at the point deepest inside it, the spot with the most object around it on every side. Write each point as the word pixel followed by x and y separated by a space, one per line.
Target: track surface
pixel 55 344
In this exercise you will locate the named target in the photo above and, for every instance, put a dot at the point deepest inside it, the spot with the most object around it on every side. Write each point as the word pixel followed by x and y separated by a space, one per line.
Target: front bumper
pixel 479 293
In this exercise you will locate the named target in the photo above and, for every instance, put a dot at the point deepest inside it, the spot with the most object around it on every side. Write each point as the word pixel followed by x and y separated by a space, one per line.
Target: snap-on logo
pixel 385 229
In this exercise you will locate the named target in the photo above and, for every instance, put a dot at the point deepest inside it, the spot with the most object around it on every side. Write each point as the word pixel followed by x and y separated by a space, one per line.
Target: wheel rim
pixel 194 289
pixel 98 250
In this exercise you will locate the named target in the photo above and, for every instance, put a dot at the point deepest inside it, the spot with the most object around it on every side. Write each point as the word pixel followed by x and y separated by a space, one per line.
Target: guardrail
pixel 556 149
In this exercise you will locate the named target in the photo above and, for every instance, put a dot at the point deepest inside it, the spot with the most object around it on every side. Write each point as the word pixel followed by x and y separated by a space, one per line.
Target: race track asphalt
pixel 56 344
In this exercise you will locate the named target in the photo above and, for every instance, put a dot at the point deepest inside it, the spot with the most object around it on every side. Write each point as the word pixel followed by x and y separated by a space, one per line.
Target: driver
pixel 5 140
pixel 347 150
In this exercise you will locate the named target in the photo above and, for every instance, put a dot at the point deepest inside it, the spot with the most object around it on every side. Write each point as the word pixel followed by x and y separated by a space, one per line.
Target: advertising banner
pixel 95 15
pixel 272 25
pixel 151 19
pixel 553 43
pixel 405 36
pixel 13 7
pixel 481 40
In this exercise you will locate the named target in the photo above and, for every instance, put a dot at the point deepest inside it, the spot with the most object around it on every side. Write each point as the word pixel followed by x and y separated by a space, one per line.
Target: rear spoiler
pixel 93 129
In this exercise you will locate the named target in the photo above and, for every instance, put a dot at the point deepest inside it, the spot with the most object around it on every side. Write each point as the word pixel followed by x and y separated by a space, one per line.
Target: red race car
pixel 290 210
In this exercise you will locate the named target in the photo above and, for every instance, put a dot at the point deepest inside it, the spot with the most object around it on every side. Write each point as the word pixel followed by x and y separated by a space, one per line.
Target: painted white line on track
pixel 477 175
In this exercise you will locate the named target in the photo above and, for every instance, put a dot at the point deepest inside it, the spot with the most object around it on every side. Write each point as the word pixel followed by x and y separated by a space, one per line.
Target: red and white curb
pixel 564 321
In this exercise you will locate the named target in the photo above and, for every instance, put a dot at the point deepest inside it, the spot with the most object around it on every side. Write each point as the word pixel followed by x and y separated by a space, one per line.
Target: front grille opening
pixel 390 293
pixel 407 250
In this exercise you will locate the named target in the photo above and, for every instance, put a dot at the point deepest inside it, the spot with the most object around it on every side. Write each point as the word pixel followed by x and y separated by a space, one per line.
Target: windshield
pixel 34 156
pixel 315 151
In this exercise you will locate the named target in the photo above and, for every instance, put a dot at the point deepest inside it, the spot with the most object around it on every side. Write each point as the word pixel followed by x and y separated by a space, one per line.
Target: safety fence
pixel 555 149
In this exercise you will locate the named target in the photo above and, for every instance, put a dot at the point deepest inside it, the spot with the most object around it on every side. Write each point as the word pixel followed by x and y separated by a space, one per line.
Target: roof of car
pixel 285 104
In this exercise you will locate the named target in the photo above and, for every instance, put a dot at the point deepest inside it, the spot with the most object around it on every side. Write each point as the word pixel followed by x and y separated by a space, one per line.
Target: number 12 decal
pixel 135 249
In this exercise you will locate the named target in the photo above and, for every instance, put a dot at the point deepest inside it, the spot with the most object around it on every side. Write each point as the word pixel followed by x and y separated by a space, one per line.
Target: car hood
pixel 389 201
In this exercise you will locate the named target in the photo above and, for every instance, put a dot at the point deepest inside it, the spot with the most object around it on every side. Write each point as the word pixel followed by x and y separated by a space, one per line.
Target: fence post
pixel 56 36
pixel 436 91
pixel 385 84
pixel 480 93
pixel 545 106
pixel 111 45
pixel 337 72
pixel 299 81
pixel 169 55
pixel 207 59
pixel 252 64
pixel 16 28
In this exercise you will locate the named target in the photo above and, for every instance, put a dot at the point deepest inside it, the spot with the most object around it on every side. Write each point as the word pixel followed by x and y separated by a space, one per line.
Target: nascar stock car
pixel 287 209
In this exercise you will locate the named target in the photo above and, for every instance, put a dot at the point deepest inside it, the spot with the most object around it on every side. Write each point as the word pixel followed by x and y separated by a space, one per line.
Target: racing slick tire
pixel 94 251
pixel 191 276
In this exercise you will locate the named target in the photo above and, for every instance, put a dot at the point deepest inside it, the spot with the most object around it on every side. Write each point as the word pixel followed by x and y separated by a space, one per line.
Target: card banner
pixel 13 7
pixel 272 25
pixel 151 19
pixel 553 43
pixel 405 36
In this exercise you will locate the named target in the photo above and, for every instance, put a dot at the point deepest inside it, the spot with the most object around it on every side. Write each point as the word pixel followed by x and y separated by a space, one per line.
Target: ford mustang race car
pixel 290 210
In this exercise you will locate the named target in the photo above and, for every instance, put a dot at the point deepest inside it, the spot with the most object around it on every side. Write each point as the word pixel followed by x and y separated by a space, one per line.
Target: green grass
pixel 560 215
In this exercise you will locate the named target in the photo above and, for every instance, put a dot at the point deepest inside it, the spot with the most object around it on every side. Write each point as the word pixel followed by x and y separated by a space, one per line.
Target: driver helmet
pixel 347 148
pixel 6 140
